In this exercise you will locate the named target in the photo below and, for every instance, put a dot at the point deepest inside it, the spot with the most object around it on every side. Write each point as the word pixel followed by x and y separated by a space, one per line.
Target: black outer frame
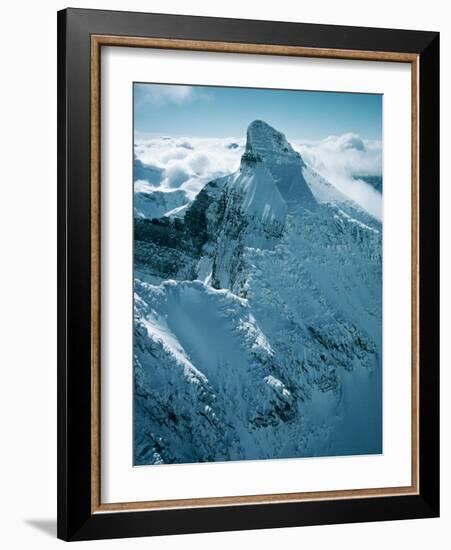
pixel 75 520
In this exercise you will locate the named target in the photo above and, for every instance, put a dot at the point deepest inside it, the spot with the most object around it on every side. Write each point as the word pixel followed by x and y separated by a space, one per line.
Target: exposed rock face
pixel 258 318
pixel 282 161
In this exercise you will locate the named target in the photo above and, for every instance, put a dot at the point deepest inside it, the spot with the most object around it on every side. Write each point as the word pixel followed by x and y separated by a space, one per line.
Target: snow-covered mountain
pixel 155 203
pixel 258 318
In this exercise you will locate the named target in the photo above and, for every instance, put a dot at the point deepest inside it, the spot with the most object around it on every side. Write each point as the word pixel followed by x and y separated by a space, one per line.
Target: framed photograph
pixel 248 274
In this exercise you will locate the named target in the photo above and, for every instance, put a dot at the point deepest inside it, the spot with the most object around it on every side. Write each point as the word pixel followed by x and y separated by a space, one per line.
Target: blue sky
pixel 207 111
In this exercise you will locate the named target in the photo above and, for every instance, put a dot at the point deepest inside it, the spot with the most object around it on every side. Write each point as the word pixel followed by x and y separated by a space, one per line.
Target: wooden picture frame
pixel 81 35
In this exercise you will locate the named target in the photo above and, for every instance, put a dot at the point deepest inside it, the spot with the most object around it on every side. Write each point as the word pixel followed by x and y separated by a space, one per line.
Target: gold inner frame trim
pixel 97 41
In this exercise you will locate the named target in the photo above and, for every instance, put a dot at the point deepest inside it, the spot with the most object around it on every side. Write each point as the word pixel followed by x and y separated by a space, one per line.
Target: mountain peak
pixel 265 144
pixel 263 139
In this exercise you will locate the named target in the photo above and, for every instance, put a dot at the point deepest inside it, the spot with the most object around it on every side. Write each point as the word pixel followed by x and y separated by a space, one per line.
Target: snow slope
pixel 258 318
pixel 157 203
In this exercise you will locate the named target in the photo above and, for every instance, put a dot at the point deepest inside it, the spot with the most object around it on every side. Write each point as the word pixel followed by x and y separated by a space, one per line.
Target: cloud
pixel 160 94
pixel 341 160
pixel 347 154
pixel 188 163
pixel 176 174
pixel 346 142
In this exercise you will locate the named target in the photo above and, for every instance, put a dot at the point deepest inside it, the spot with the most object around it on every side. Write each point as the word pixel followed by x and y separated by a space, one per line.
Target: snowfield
pixel 258 307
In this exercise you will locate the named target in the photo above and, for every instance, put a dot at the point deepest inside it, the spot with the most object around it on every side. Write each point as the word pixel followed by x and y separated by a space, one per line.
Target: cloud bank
pixel 341 160
pixel 190 163
pixel 346 154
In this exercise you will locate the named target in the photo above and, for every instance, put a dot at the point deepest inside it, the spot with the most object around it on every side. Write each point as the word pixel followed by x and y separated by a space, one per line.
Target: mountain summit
pixel 283 163
pixel 264 139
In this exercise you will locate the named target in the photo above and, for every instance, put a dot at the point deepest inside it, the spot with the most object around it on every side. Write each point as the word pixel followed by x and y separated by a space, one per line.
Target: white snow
pixel 261 198
pixel 157 203
pixel 322 190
